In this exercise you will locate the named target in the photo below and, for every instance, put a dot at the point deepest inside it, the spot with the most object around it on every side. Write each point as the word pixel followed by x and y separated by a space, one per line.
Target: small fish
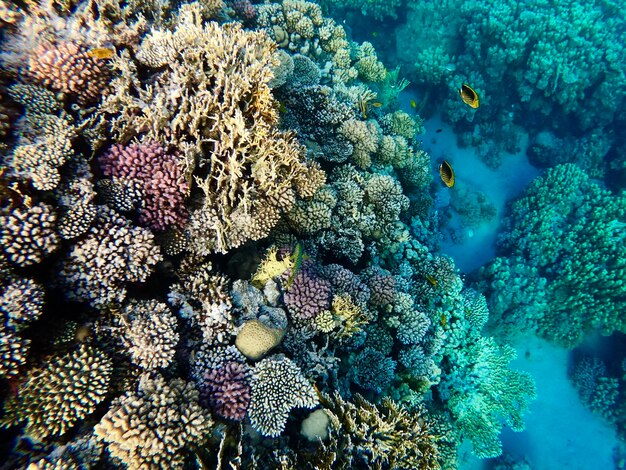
pixel 377 104
pixel 469 96
pixel 431 280
pixel 413 104
pixel 375 34
pixel 101 52
pixel 438 131
pixel 446 173
pixel 282 109
pixel 444 320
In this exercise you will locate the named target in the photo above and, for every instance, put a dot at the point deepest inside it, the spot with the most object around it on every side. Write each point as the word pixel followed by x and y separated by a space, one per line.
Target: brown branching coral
pixel 212 101
pixel 383 436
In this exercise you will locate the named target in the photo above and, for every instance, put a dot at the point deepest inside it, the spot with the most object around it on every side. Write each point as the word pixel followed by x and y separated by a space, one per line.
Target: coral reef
pixel 565 231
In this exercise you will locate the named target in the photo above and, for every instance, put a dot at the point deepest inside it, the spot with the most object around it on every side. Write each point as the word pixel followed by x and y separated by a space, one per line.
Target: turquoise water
pixel 347 235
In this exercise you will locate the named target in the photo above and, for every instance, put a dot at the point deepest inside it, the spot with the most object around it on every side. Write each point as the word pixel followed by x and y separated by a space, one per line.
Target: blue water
pixel 230 237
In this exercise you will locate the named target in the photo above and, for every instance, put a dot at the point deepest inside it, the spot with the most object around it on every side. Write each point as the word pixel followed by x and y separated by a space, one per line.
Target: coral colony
pixel 219 248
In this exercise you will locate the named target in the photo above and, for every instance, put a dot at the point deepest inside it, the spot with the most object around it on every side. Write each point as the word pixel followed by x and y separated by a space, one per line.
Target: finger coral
pixel 157 174
pixel 112 254
pixel 154 426
pixel 65 390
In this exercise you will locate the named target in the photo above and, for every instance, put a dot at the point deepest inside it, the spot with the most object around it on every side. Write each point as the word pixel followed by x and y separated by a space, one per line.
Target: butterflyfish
pixel 101 52
pixel 446 173
pixel 469 96
pixel 413 104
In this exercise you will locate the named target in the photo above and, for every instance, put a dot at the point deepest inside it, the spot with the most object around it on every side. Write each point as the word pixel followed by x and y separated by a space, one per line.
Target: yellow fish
pixel 446 173
pixel 413 104
pixel 377 104
pixel 469 96
pixel 101 52
pixel 431 280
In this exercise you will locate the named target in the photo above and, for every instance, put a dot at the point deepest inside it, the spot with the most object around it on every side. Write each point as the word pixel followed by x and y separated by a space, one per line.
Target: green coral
pixel 570 231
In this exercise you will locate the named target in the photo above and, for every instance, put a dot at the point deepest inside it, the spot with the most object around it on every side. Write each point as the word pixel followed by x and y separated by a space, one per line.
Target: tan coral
pixel 213 102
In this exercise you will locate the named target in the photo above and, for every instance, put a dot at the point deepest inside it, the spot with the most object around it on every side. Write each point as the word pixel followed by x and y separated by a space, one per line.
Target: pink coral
pixel 68 67
pixel 160 177
pixel 245 9
pixel 227 390
pixel 308 294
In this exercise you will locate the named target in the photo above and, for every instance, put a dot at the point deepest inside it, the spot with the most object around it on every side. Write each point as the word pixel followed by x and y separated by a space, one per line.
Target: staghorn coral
pixel 278 386
pixel 156 425
pixel 28 235
pixel 158 176
pixel 222 117
pixel 148 333
pixel 64 391
pixel 112 254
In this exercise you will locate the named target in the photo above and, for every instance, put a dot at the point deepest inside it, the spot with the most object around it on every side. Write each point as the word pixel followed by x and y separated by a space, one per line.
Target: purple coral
pixel 159 175
pixel 382 288
pixel 226 389
pixel 308 295
pixel 345 281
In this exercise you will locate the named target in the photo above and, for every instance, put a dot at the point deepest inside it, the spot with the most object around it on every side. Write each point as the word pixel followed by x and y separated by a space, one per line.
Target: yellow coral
pixel 256 339
pixel 351 316
pixel 271 267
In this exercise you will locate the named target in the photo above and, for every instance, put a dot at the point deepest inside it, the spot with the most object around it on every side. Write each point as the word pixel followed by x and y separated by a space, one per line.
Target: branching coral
pixel 569 231
pixel 148 333
pixel 65 390
pixel 214 104
pixel 384 436
pixel 154 426
pixel 112 254
pixel 278 386
pixel 159 177
pixel 28 235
